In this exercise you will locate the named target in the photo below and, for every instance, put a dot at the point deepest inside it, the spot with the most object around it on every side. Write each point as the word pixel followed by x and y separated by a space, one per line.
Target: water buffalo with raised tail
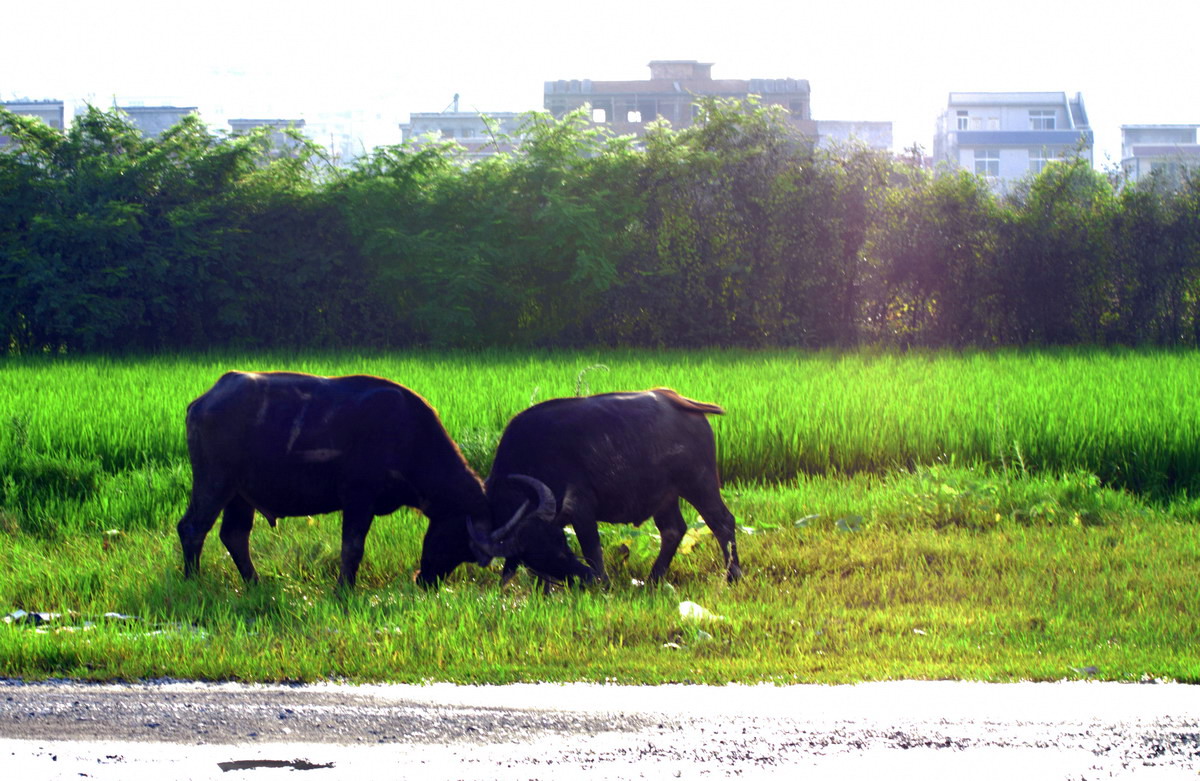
pixel 289 444
pixel 614 457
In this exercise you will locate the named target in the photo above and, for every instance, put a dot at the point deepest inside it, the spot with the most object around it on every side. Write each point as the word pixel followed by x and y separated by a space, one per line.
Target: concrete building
pixel 49 111
pixel 478 133
pixel 670 93
pixel 876 135
pixel 153 121
pixel 1166 151
pixel 280 140
pixel 1006 136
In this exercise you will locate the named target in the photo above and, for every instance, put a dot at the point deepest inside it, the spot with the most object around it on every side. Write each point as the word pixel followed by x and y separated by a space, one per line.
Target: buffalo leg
pixel 712 508
pixel 202 511
pixel 588 534
pixel 579 512
pixel 236 526
pixel 510 569
pixel 356 522
pixel 671 528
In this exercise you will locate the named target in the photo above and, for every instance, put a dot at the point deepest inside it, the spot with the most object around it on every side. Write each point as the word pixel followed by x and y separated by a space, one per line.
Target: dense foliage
pixel 731 232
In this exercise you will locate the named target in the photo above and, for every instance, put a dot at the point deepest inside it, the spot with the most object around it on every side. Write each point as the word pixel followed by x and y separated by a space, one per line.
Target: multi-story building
pixel 49 111
pixel 480 134
pixel 153 121
pixel 1165 151
pixel 876 135
pixel 671 92
pixel 1006 136
pixel 150 121
pixel 280 140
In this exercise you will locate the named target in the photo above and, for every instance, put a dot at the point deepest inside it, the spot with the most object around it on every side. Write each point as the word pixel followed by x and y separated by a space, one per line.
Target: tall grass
pixel 97 441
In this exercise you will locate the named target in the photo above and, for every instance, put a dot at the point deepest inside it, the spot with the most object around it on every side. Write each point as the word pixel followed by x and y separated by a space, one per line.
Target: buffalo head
pixel 533 538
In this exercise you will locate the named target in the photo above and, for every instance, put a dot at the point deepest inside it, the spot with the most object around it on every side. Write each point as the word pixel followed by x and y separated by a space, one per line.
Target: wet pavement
pixel 904 729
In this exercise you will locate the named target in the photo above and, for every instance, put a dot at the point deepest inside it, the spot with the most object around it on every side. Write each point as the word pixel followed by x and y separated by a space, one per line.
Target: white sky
pixel 864 59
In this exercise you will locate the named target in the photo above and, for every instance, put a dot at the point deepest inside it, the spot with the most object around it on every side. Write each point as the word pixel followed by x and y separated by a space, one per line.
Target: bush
pixel 734 231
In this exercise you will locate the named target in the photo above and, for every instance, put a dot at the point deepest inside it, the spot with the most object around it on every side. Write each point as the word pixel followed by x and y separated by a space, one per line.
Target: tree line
pixel 730 232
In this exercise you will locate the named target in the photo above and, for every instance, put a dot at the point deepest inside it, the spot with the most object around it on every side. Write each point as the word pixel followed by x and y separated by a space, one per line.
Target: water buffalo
pixel 288 444
pixel 614 457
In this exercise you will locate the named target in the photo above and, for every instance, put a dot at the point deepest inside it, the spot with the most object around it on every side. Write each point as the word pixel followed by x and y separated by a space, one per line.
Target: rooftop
pixel 1007 98
pixel 1160 127
pixel 28 102
pixel 677 77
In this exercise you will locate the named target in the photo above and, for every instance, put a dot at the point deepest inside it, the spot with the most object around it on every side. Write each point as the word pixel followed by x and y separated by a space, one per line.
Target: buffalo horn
pixel 482 540
pixel 547 508
pixel 499 534
pixel 545 511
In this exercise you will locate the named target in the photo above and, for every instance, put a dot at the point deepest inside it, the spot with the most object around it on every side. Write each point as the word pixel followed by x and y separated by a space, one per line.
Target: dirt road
pixel 926 730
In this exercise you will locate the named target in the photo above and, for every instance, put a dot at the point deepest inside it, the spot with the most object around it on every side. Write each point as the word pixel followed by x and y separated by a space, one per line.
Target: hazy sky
pixel 864 59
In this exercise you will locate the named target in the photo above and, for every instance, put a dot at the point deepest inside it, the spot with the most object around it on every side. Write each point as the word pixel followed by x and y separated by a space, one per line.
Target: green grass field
pixel 988 516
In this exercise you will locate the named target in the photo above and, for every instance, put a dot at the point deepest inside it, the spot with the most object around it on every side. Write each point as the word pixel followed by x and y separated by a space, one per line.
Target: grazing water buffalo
pixel 288 444
pixel 615 457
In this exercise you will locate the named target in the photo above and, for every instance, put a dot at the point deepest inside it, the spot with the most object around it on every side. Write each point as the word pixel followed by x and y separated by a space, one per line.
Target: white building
pixel 480 134
pixel 1168 151
pixel 1006 136
pixel 49 111
pixel 281 142
pixel 153 121
pixel 876 135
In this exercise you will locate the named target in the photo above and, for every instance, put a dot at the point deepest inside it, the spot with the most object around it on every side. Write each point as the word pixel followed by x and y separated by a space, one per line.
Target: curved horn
pixel 547 508
pixel 482 541
pixel 499 534
pixel 500 541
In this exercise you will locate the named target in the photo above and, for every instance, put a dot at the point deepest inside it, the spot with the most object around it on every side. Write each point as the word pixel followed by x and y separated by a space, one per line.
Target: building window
pixel 634 117
pixel 647 109
pixel 1041 119
pixel 1038 158
pixel 599 115
pixel 987 162
pixel 963 120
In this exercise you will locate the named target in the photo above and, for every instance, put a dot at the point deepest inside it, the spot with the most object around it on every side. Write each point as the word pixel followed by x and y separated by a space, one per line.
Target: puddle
pixel 256 764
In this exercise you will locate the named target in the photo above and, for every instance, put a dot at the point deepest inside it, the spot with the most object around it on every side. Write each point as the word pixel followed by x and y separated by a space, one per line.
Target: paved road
pixel 926 730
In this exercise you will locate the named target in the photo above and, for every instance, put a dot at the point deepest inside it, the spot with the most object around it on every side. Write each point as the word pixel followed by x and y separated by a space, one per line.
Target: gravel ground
pixel 926 730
